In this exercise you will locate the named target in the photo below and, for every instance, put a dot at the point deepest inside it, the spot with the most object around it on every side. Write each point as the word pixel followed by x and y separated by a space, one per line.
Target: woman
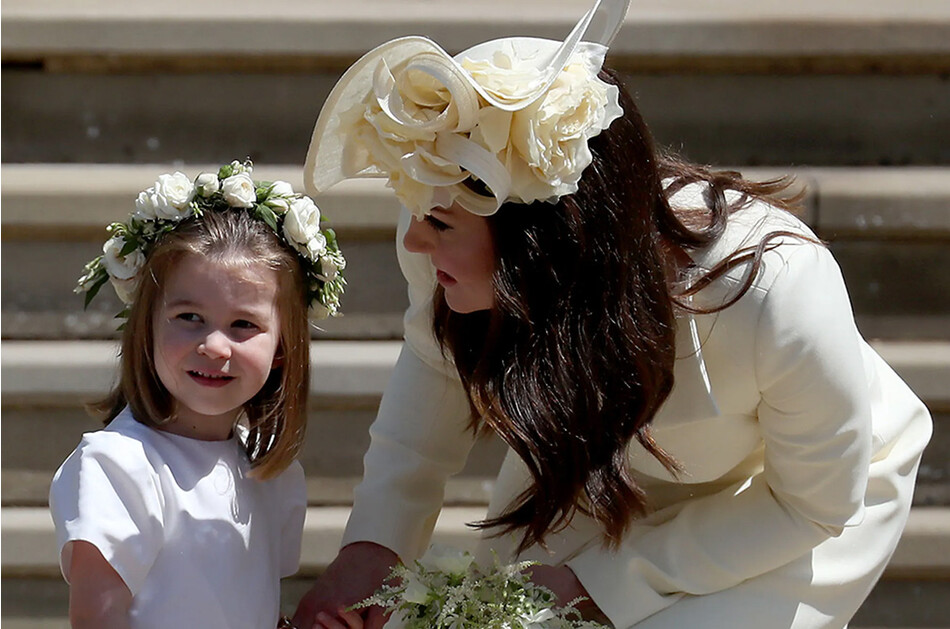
pixel 698 434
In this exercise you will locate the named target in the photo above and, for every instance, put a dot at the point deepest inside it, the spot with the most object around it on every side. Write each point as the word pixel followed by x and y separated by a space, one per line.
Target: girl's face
pixel 216 335
pixel 461 248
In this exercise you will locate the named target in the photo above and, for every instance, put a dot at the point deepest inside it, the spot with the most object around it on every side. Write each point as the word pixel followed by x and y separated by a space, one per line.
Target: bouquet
pixel 446 589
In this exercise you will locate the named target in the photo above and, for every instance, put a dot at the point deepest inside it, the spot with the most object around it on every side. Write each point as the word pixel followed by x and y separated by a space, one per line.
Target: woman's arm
pixel 98 597
pixel 421 436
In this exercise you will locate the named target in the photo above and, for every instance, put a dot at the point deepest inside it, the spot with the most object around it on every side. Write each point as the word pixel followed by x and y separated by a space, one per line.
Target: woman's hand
pixel 358 571
pixel 566 587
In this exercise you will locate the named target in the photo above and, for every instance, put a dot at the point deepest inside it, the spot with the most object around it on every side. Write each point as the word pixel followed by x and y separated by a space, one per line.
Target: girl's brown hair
pixel 576 357
pixel 277 414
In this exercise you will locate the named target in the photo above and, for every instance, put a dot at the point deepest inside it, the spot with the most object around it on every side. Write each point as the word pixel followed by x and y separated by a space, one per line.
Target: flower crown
pixel 174 198
pixel 441 141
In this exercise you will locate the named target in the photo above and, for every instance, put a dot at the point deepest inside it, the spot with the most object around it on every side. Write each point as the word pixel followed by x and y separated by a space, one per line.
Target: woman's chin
pixel 463 306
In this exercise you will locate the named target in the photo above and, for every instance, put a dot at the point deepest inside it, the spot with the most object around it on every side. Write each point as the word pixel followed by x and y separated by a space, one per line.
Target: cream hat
pixel 508 119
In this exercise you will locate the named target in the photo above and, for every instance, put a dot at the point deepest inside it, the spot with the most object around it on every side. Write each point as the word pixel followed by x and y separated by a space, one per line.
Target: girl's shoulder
pixel 124 443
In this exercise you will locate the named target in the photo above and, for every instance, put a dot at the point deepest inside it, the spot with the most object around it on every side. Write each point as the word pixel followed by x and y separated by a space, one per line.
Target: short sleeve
pixel 106 494
pixel 293 492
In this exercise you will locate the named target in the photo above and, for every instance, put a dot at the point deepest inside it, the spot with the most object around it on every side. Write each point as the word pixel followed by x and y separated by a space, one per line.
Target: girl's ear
pixel 278 358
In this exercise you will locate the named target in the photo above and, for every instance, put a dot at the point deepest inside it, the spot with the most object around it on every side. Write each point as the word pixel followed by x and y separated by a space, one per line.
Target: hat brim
pixel 325 157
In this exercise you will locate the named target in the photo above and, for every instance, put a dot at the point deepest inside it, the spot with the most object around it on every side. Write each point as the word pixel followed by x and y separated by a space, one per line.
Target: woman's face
pixel 460 246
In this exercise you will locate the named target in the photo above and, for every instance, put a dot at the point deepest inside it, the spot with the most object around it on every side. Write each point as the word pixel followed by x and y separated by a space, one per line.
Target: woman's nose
pixel 215 345
pixel 417 238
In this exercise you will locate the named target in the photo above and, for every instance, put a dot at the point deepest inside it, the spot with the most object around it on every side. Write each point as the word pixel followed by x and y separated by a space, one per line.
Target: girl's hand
pixel 566 587
pixel 357 572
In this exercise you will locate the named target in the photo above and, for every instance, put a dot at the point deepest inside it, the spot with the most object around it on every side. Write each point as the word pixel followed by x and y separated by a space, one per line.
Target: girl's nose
pixel 418 237
pixel 215 345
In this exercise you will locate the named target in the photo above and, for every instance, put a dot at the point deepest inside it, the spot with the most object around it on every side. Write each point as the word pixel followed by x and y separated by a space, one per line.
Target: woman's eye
pixel 436 223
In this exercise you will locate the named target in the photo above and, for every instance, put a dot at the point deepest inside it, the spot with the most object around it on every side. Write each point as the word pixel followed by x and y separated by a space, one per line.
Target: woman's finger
pixel 352 618
pixel 326 621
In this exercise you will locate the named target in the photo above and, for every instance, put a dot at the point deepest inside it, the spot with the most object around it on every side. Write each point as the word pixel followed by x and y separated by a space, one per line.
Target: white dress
pixel 198 542
pixel 799 445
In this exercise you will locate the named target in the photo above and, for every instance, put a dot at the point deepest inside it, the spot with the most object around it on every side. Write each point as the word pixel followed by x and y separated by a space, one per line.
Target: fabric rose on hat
pixel 551 135
pixel 433 140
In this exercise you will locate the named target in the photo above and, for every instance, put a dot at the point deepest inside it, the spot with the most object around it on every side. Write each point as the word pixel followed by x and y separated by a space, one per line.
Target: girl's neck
pixel 202 429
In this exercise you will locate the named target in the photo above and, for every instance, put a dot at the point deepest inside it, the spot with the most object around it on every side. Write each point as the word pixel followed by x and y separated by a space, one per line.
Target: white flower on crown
pixel 302 228
pixel 279 196
pixel 239 191
pixel 207 184
pixel 402 129
pixel 329 268
pixel 170 198
pixel 159 210
pixel 177 190
pixel 122 270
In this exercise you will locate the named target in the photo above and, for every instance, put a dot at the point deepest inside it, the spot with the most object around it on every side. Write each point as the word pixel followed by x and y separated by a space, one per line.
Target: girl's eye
pixel 436 223
pixel 188 316
pixel 244 324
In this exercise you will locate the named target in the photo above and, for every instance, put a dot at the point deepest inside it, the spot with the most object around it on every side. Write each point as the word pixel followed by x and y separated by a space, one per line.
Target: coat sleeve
pixel 421 434
pixel 815 421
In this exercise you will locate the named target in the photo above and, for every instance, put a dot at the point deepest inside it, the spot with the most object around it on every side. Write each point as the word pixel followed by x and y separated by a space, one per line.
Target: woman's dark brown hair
pixel 276 415
pixel 577 355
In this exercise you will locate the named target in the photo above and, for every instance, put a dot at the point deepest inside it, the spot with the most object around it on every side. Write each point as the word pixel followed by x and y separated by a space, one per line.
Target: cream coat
pixel 799 446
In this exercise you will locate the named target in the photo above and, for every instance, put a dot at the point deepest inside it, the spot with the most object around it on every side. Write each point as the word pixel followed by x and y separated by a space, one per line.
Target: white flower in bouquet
pixel 446 589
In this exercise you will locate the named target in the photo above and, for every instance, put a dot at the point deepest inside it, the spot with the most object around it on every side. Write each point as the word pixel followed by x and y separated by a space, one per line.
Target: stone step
pixel 48 201
pixel 30 540
pixel 888 32
pixel 913 592
pixel 817 82
pixel 343 373
pixel 712 117
pixel 45 383
pixel 887 226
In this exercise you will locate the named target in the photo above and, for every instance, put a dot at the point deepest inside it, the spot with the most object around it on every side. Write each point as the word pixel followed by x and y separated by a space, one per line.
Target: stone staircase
pixel 104 95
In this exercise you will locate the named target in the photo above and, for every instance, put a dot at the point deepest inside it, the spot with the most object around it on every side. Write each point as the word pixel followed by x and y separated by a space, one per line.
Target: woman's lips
pixel 210 379
pixel 444 278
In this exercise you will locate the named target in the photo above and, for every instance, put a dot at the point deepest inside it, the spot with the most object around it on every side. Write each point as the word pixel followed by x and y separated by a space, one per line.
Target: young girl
pixel 188 508
pixel 699 436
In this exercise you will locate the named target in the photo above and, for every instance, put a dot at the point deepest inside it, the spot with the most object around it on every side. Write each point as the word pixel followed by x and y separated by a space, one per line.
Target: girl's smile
pixel 216 336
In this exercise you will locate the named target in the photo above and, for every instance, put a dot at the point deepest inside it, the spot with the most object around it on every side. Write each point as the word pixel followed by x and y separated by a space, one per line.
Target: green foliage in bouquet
pixel 446 589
